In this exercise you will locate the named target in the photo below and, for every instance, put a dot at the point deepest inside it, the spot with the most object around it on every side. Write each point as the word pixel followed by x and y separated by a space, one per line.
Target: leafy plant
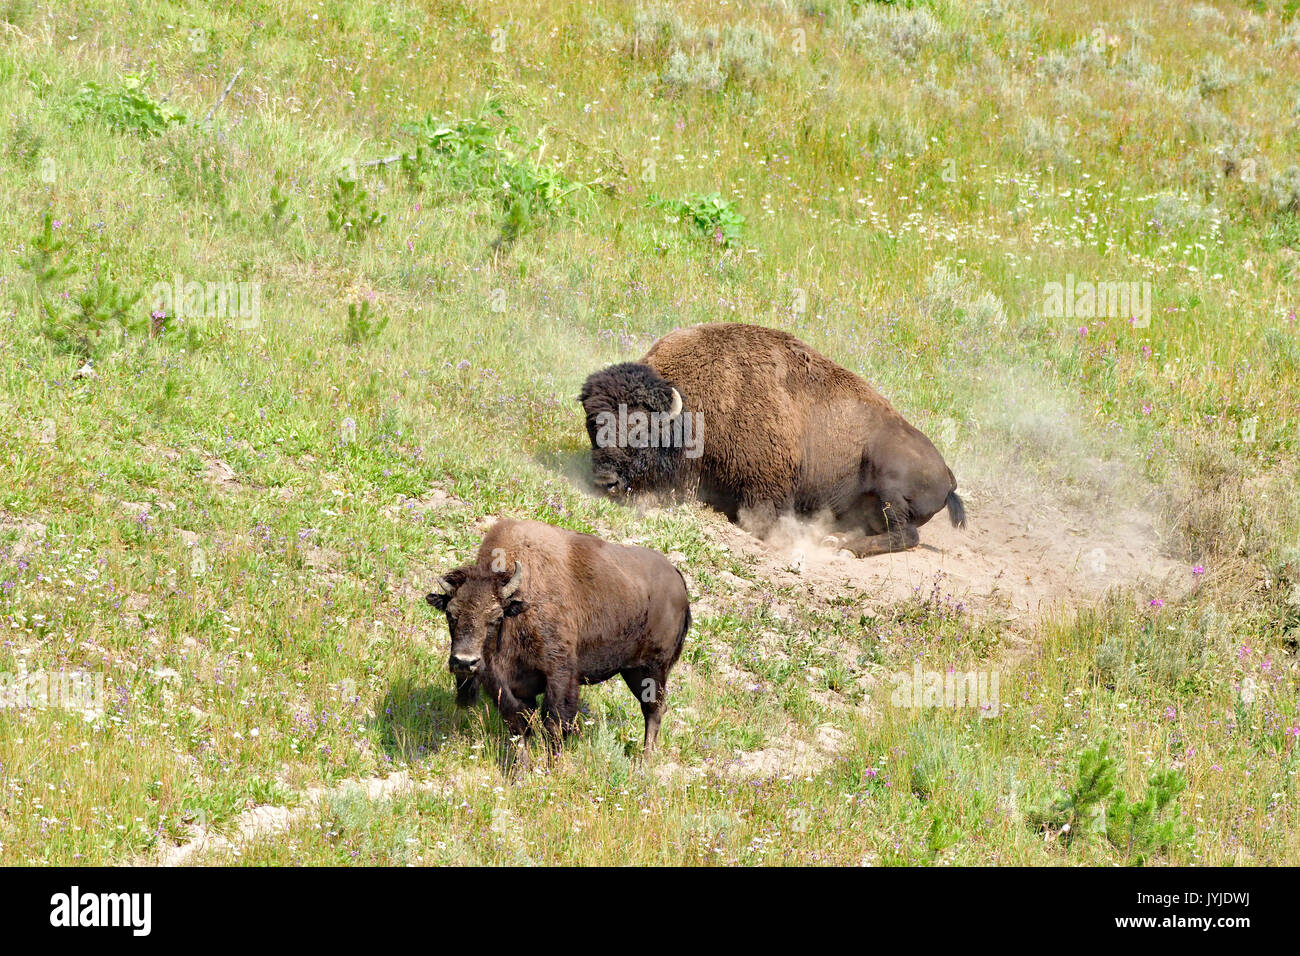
pixel 350 212
pixel 532 188
pixel 127 107
pixel 359 326
pixel 462 156
pixel 485 156
pixel 711 216
pixel 941 835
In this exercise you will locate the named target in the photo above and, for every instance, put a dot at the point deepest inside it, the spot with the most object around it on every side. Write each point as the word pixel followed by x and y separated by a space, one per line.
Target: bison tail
pixel 681 636
pixel 956 510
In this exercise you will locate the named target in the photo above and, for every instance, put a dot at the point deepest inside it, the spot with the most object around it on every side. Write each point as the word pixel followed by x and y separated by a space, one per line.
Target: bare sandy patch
pixel 434 500
pixel 27 533
pixel 262 822
pixel 1017 562
pixel 786 758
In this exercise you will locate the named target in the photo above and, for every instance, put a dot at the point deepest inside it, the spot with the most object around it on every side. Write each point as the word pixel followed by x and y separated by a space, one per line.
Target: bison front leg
pixel 866 545
pixel 519 716
pixel 560 708
pixel 886 528
pixel 523 721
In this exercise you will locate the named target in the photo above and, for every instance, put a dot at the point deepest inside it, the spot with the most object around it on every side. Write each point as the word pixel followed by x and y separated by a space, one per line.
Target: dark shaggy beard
pixel 643 469
pixel 466 690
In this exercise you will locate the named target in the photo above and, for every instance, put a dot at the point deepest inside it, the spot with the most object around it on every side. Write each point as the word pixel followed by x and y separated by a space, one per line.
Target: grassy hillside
pixel 446 215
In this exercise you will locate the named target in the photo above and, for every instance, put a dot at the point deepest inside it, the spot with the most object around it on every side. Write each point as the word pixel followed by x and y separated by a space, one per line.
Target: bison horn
pixel 443 586
pixel 511 586
pixel 677 405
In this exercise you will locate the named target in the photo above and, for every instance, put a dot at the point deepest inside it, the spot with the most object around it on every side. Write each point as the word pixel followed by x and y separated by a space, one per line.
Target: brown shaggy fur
pixel 786 429
pixel 584 610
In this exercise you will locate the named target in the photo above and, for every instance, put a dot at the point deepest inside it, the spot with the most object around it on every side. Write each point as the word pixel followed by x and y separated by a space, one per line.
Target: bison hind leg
pixel 650 685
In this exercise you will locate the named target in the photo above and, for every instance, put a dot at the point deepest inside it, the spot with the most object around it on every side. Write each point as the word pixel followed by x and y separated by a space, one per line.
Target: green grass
pixel 232 519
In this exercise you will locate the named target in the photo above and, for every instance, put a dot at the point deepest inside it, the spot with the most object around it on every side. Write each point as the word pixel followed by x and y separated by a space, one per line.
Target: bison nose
pixel 463 665
pixel 609 481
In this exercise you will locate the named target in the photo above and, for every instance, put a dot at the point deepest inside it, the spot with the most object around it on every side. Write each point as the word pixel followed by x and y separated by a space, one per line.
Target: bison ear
pixel 515 608
pixel 445 589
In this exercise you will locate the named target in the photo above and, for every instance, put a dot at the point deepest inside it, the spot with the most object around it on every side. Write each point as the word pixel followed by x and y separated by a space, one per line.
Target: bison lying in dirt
pixel 543 610
pixel 756 423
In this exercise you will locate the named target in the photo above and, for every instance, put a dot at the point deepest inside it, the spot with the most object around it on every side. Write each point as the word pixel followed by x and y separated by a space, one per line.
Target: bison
pixel 543 610
pixel 756 423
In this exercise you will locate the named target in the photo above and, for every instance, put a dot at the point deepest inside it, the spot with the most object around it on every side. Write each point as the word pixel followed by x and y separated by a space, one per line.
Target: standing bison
pixel 543 610
pixel 773 427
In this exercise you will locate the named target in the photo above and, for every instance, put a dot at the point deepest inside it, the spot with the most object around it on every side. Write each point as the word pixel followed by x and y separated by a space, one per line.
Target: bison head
pixel 476 601
pixel 907 481
pixel 630 412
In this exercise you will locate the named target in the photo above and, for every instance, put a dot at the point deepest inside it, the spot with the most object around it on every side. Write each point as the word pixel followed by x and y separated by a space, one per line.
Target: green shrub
pixel 72 321
pixel 1080 808
pixel 711 216
pixel 1152 825
pixel 127 108
pixel 486 157
pixel 277 213
pixel 1139 829
pixel 350 212
pixel 360 327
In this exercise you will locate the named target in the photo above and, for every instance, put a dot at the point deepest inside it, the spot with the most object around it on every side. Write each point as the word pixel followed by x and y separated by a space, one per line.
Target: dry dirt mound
pixel 1014 561
pixel 264 821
